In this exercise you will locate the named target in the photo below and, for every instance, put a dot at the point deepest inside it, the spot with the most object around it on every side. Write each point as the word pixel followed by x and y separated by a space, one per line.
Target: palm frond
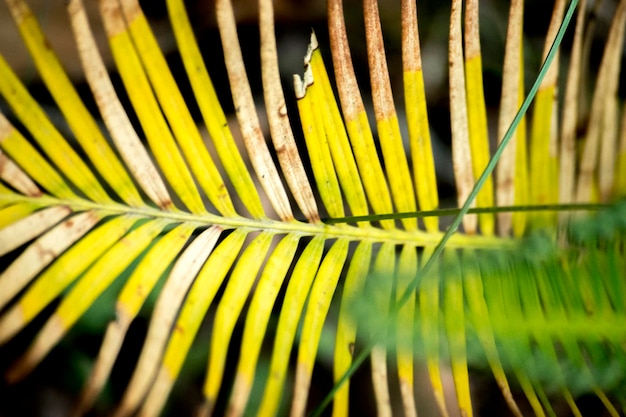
pixel 138 205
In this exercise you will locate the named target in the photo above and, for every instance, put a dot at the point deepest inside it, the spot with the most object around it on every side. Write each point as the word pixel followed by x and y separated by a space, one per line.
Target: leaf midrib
pixel 343 231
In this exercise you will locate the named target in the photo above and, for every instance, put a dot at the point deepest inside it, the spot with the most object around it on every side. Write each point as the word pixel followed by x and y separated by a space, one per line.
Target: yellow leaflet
pixel 256 321
pixel 384 271
pixel 12 213
pixel 297 291
pixel 72 263
pixel 62 273
pixel 495 294
pixel 479 139
pixel 346 328
pixel 107 268
pixel 78 117
pixel 454 321
pixel 606 402
pixel 407 269
pixel 167 306
pixel 149 270
pixel 361 141
pixel 369 166
pixel 97 279
pixel 114 115
pixel 389 137
pixel 28 159
pixel 620 177
pixel 429 312
pixel 196 304
pixel 13 175
pixel 4 189
pixel 543 185
pixel 397 168
pixel 530 393
pixel 154 125
pixel 212 111
pixel 461 152
pixel 237 292
pixel 20 232
pixel 200 295
pixel 421 148
pixel 512 90
pixel 7 199
pixel 554 308
pixel 313 320
pixel 620 162
pixel 42 252
pixel 337 138
pixel 52 143
pixel 607 150
pixel 479 316
pixel 130 300
pixel 534 302
pixel 311 118
pixel 178 116
pixel 280 128
pixel 559 310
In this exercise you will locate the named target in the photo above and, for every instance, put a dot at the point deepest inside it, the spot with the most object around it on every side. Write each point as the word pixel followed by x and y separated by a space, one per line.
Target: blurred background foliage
pixel 567 293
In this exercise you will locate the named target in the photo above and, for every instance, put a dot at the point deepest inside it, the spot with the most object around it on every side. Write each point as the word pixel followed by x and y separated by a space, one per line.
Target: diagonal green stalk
pixel 412 287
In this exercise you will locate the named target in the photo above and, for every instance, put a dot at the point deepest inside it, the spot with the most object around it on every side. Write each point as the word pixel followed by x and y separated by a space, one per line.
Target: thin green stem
pixel 475 210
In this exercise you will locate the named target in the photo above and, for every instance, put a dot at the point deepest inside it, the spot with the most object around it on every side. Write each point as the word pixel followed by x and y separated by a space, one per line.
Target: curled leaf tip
pixel 300 84
pixel 313 45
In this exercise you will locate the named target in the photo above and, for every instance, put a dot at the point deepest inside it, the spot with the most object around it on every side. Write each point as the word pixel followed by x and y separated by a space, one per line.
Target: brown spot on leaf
pixel 282 110
pixel 140 291
pixel 45 254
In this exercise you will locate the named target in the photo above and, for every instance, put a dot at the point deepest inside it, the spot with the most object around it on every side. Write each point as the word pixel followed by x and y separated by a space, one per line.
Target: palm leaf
pixel 82 214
